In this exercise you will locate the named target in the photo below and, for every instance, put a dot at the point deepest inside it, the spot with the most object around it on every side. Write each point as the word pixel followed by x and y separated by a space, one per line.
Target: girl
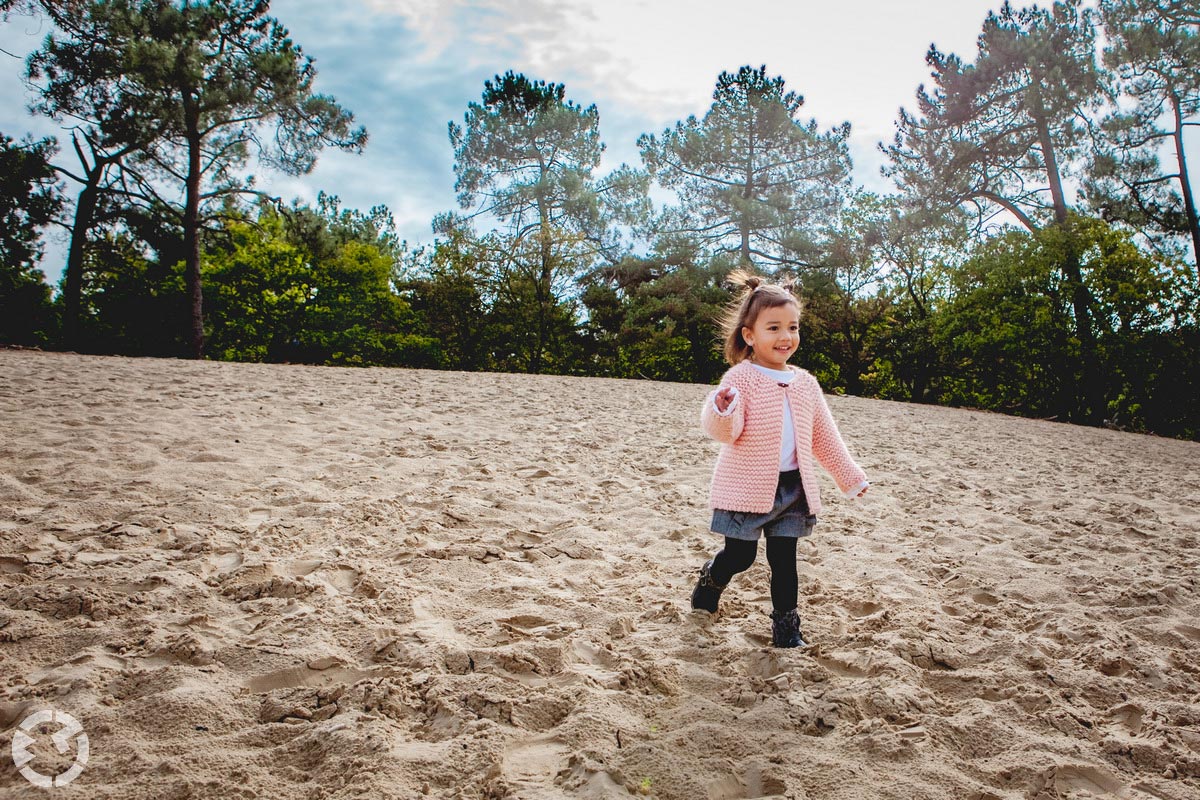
pixel 771 419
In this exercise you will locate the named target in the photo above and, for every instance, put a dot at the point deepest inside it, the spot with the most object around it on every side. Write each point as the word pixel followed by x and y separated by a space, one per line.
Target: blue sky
pixel 406 68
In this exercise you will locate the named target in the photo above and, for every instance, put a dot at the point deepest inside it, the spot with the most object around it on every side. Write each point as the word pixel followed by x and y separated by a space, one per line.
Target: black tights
pixel 739 554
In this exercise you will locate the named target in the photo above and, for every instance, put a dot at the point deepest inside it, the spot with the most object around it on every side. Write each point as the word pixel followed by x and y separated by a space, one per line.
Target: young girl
pixel 771 419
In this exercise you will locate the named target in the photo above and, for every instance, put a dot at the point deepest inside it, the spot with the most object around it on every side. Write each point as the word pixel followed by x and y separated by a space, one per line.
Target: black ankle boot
pixel 707 592
pixel 785 629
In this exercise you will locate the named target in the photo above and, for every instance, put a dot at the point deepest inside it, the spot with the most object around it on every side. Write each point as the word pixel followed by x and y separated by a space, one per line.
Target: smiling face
pixel 774 336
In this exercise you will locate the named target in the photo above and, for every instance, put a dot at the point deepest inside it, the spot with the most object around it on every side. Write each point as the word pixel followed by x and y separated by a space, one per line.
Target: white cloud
pixel 657 62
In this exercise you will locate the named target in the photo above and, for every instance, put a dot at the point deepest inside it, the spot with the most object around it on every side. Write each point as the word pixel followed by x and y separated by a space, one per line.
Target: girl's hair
pixel 756 296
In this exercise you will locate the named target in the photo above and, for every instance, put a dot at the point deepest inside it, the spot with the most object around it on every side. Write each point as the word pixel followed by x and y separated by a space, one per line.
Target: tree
pixel 1156 56
pixel 80 77
pixel 1004 334
pixel 525 156
pixel 921 249
pixel 846 293
pixel 1001 133
pixel 133 295
pixel 444 285
pixel 228 82
pixel 29 200
pixel 1005 331
pixel 752 180
pixel 653 317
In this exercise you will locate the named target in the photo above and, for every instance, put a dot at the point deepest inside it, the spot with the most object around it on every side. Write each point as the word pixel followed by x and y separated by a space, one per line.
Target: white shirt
pixel 787 442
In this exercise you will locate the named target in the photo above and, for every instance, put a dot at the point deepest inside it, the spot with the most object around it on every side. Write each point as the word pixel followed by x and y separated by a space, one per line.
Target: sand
pixel 296 582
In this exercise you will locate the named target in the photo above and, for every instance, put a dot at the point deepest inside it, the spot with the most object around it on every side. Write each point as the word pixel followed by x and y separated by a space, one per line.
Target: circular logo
pixel 22 742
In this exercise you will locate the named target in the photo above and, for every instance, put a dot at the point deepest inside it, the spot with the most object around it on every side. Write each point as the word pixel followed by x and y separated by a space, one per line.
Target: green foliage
pixel 28 202
pixel 1003 337
pixel 656 318
pixel 846 306
pixel 838 337
pixel 132 303
pixel 1000 134
pixel 160 93
pixel 310 287
pixel 906 356
pixel 444 287
pixel 219 81
pixel 526 154
pixel 259 287
pixel 1005 342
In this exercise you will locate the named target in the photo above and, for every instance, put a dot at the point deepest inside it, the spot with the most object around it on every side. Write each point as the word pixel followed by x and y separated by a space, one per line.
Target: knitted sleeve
pixel 830 450
pixel 724 428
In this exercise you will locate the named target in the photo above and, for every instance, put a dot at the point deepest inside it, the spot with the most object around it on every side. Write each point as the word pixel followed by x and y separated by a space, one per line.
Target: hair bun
pixel 745 279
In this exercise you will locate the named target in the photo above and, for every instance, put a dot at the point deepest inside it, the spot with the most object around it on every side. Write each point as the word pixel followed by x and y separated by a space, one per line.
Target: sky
pixel 406 68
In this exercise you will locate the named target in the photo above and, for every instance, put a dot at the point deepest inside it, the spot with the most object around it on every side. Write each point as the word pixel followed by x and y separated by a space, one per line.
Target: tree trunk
pixel 1091 402
pixel 85 210
pixel 747 193
pixel 191 236
pixel 1185 186
pixel 544 286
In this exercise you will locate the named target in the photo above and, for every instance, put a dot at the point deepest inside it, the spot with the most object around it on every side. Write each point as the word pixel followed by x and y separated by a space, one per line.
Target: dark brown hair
pixel 756 296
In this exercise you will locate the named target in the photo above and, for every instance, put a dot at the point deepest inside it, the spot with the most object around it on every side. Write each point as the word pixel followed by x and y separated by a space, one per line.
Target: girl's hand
pixel 724 397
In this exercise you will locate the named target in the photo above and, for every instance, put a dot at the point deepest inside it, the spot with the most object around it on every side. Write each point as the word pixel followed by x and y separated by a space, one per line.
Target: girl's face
pixel 774 336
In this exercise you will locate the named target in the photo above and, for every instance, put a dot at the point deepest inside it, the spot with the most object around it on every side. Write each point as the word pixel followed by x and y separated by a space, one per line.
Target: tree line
pixel 1037 257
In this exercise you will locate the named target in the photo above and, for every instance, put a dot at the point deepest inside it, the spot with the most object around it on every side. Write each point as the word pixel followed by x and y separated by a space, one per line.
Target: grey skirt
pixel 788 516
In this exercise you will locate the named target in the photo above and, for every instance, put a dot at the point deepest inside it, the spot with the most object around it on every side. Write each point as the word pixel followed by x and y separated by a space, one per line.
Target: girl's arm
pixel 831 451
pixel 724 426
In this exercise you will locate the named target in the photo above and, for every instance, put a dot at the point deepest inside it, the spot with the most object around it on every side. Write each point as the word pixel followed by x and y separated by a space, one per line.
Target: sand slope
pixel 278 581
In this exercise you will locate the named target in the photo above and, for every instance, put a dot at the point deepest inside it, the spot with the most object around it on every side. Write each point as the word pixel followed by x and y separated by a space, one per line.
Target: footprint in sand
pixel 584 777
pixel 219 564
pixel 1129 715
pixel 1093 780
pixel 533 765
pixel 984 598
pixel 752 782
pixel 342 578
pixel 595 663
pixel 13 565
pixel 863 608
pixel 849 664
pixel 1190 631
pixel 319 672
pixel 253 581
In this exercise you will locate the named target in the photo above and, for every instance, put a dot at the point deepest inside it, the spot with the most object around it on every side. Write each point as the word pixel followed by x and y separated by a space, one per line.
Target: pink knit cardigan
pixel 747 469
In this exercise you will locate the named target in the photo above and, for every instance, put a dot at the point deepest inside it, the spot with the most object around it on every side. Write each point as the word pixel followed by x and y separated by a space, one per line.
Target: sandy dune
pixel 278 581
